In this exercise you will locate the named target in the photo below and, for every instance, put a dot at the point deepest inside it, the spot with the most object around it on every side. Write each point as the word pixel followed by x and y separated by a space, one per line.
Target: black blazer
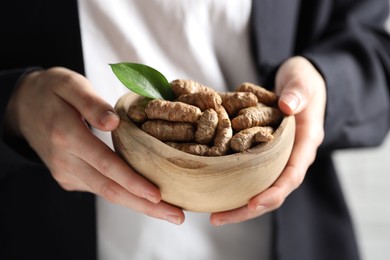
pixel 344 39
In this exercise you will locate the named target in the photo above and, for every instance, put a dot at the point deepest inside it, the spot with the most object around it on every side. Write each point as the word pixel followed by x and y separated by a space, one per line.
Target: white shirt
pixel 202 40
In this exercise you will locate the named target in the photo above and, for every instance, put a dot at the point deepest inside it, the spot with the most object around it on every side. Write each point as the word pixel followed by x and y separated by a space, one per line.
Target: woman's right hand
pixel 49 109
pixel 302 93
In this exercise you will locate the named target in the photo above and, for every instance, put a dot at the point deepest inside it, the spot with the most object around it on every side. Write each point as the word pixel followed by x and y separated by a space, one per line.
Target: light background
pixel 365 176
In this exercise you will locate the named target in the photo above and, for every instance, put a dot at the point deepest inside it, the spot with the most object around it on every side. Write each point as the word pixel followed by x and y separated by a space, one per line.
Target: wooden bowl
pixel 199 183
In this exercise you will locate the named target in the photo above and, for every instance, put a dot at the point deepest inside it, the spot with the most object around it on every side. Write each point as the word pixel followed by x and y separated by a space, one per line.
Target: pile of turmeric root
pixel 204 122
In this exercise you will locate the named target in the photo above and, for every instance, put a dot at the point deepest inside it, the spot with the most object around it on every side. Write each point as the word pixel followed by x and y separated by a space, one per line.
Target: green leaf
pixel 143 80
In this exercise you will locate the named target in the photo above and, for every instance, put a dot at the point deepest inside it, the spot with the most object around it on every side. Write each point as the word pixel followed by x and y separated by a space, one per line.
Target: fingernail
pixel 152 198
pixel 260 208
pixel 221 222
pixel 257 208
pixel 107 116
pixel 292 101
pixel 174 219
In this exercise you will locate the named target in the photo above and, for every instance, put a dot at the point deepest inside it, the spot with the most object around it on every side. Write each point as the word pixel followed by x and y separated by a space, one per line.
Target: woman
pixel 328 62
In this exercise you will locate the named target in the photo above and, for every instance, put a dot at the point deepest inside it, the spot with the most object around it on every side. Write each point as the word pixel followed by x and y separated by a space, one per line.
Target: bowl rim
pixel 125 100
pixel 184 167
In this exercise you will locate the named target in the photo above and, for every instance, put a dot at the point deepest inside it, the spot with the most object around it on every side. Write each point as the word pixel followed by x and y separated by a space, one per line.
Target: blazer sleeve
pixel 353 54
pixel 33 37
pixel 13 152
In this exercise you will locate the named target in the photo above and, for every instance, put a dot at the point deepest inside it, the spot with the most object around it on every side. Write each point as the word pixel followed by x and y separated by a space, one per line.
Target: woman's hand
pixel 48 109
pixel 302 93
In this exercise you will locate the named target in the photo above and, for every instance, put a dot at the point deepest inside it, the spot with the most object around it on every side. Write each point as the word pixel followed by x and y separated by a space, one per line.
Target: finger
pixel 79 93
pixel 272 198
pixel 112 192
pixel 89 179
pixel 235 216
pixel 108 163
pixel 80 142
pixel 294 96
pixel 302 156
pixel 296 82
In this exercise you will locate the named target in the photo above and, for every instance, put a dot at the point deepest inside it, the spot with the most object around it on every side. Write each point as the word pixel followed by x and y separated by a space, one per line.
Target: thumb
pixel 293 98
pixel 97 112
pixel 296 82
pixel 108 120
pixel 77 91
pixel 292 85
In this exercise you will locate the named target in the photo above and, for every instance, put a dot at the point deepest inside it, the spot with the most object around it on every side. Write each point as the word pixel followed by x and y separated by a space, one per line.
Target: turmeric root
pixel 169 131
pixel 263 95
pixel 192 148
pixel 254 116
pixel 203 100
pixel 265 134
pixel 199 120
pixel 207 125
pixel 223 135
pixel 181 87
pixel 235 101
pixel 246 138
pixel 172 111
pixel 136 111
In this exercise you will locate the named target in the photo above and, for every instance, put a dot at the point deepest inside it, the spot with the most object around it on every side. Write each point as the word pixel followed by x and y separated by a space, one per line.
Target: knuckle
pixel 299 82
pixel 148 211
pixel 63 180
pixel 278 201
pixel 320 135
pixel 59 136
pixel 301 86
pixel 80 84
pixel 88 102
pixel 296 179
pixel 103 166
pixel 68 186
pixel 65 79
pixel 58 176
pixel 69 78
pixel 109 191
pixel 316 134
pixel 62 173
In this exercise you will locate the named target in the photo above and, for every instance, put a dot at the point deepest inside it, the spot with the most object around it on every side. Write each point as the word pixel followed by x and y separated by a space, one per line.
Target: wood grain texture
pixel 198 183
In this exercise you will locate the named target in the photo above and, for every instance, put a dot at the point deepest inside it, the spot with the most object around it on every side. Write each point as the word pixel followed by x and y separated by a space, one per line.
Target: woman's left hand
pixel 302 92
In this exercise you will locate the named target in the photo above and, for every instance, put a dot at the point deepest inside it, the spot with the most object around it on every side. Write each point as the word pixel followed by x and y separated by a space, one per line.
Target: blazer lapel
pixel 273 28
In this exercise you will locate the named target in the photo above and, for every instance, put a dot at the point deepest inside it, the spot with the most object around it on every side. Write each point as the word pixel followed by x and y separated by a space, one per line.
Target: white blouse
pixel 203 40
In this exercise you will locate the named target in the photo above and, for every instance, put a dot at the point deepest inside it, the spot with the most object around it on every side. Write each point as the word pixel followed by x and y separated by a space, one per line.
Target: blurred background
pixel 365 176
